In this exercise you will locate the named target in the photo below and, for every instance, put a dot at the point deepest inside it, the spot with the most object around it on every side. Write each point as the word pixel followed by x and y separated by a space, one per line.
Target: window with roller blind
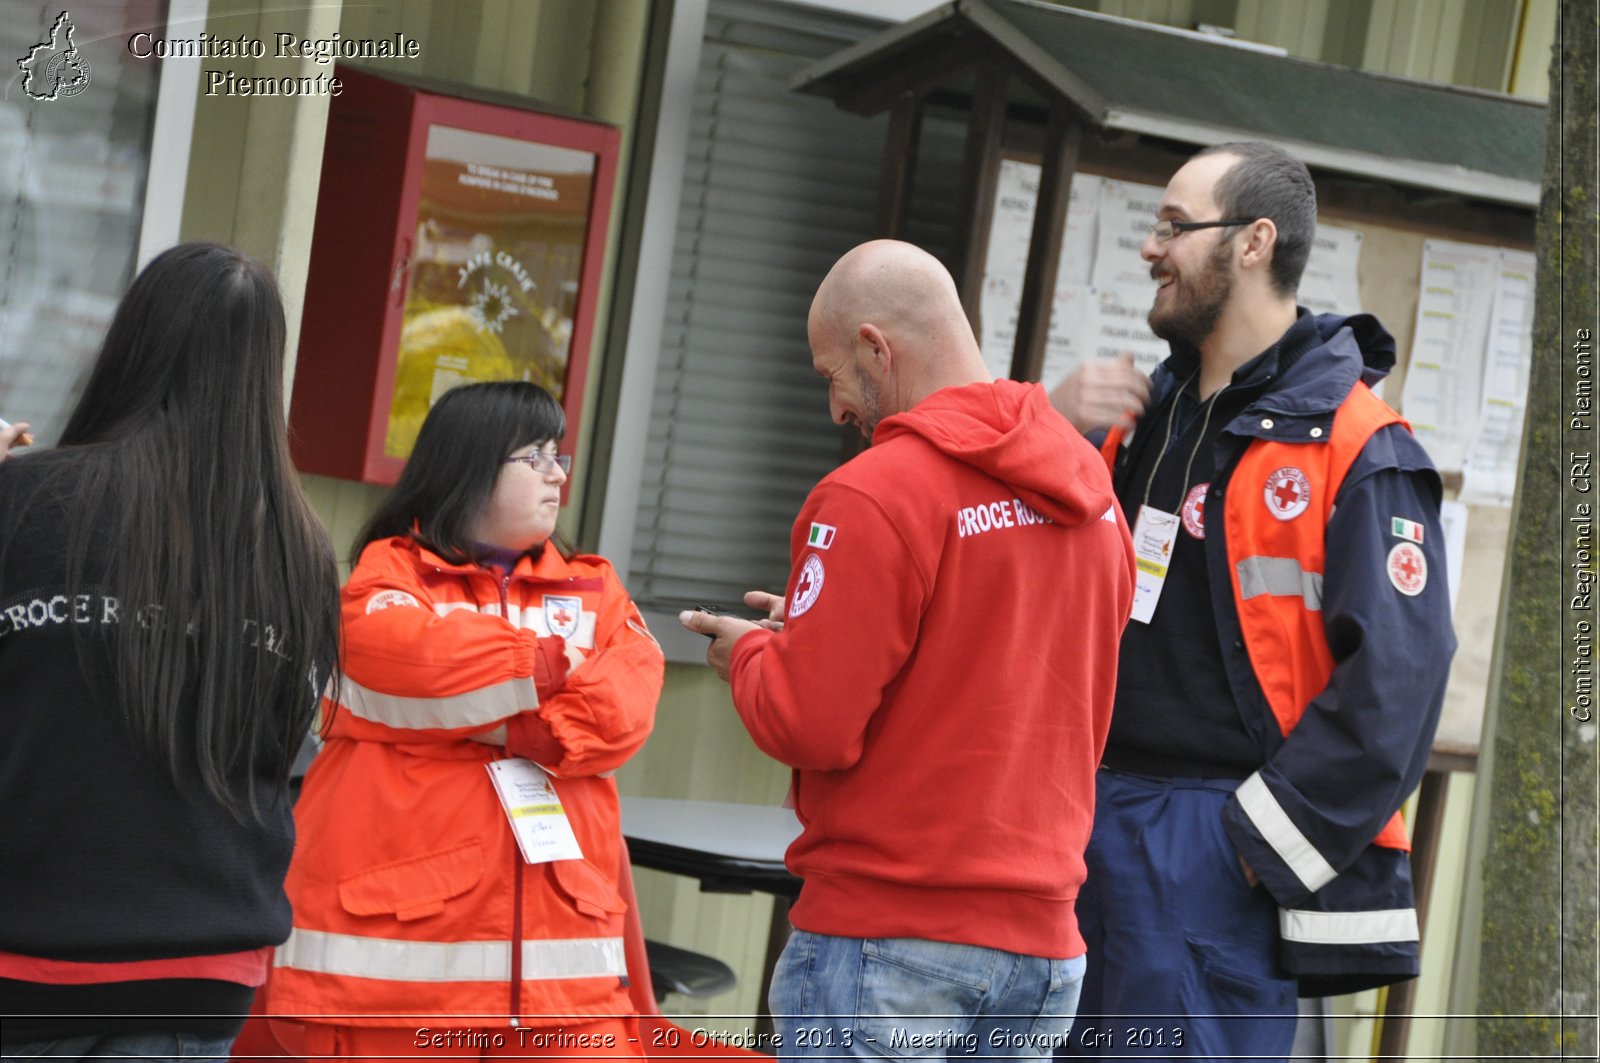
pixel 777 185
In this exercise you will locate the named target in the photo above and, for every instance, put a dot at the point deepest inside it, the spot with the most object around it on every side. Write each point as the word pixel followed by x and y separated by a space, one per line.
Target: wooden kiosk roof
pixel 1072 71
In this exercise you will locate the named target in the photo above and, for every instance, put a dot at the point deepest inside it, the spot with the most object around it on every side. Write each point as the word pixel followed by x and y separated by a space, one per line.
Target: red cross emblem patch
pixel 1288 493
pixel 1194 511
pixel 390 599
pixel 561 614
pixel 1408 569
pixel 808 586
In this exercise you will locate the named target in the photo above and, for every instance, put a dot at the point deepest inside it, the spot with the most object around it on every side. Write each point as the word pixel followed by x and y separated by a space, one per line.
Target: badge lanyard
pixel 1155 530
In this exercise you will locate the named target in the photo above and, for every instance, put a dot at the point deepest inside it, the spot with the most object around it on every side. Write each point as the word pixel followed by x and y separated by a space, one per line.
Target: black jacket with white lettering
pixel 104 861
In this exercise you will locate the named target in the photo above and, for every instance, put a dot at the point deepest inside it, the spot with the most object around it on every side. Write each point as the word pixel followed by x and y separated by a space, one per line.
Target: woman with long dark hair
pixel 168 614
pixel 460 840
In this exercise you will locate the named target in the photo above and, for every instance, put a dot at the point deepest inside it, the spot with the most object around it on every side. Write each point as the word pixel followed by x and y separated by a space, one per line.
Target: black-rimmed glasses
pixel 1166 229
pixel 543 462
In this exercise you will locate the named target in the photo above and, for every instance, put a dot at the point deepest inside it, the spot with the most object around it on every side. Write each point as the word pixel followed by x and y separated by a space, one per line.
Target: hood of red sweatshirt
pixel 1009 431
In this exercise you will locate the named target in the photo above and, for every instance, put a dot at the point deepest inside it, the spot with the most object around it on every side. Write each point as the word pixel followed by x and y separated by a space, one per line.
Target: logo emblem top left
pixel 54 68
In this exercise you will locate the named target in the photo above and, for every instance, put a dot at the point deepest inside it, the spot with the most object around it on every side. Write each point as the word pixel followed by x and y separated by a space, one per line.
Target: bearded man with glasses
pixel 1280 683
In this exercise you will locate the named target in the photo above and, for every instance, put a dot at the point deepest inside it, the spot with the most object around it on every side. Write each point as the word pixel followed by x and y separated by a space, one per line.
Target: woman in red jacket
pixel 454 884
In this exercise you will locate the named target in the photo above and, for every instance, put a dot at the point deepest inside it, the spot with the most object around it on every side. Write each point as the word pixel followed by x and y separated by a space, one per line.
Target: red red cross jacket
pixel 410 894
pixel 943 684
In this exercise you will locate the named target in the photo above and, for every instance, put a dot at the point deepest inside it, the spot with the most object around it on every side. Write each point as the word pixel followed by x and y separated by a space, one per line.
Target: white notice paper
pixel 1127 211
pixel 1006 265
pixel 1329 285
pixel 1119 321
pixel 1442 388
pixel 1070 336
pixel 1489 474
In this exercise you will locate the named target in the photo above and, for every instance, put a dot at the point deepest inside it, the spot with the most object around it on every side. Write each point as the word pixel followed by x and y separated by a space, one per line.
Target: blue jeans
pixel 836 997
pixel 144 1045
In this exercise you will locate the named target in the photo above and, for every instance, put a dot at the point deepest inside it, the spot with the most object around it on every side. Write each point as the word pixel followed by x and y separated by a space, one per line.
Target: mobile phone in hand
pixel 714 610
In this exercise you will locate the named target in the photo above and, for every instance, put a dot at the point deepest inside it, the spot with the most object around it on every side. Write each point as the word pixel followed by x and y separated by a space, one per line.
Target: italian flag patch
pixel 821 535
pixel 1399 527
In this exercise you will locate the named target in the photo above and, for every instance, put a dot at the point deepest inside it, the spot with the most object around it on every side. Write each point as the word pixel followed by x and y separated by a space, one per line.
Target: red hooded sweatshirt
pixel 943 684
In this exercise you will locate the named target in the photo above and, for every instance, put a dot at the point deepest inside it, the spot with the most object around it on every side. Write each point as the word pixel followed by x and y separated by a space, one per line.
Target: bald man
pixel 940 682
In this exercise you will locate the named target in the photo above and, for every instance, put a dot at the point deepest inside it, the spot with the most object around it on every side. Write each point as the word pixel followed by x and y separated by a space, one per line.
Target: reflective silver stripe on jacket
pixel 530 618
pixel 449 961
pixel 1292 847
pixel 1348 928
pixel 1281 577
pixel 469 709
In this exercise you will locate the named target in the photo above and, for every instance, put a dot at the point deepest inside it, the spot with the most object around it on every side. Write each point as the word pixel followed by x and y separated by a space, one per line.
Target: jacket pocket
pixel 414 888
pixel 590 892
pixel 1241 978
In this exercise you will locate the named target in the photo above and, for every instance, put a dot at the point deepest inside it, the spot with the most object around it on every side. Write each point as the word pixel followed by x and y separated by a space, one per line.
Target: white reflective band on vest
pixel 1273 822
pixel 449 961
pixel 1281 577
pixel 1348 928
pixel 474 707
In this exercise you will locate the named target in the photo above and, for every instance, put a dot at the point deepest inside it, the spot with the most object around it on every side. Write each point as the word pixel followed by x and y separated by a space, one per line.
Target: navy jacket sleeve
pixel 1363 743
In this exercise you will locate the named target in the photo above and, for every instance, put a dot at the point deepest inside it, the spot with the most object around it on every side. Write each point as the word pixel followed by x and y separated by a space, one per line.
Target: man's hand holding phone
pixel 724 628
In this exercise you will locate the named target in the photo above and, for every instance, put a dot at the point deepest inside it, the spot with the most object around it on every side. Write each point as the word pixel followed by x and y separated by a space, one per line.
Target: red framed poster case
pixel 456 239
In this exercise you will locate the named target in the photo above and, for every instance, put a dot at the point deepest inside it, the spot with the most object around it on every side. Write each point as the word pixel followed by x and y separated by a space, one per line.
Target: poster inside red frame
pixel 495 274
pixel 460 236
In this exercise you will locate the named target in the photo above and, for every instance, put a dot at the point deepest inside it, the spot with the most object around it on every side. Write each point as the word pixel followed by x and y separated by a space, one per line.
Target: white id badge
pixel 1153 535
pixel 537 818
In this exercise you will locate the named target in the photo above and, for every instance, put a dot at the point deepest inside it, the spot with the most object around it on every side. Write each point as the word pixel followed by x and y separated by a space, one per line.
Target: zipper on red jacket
pixel 504 586
pixel 516 938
